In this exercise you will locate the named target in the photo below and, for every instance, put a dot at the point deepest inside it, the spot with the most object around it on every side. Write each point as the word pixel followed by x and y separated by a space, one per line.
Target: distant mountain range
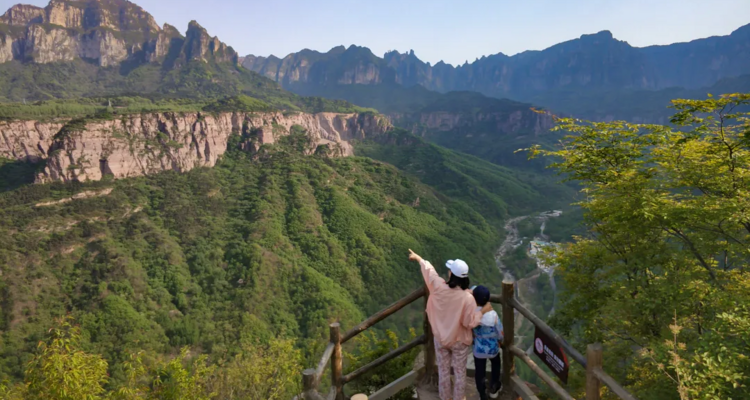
pixel 589 67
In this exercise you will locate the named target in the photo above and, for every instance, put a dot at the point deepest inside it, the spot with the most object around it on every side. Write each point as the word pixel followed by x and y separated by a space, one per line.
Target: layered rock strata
pixel 107 32
pixel 141 144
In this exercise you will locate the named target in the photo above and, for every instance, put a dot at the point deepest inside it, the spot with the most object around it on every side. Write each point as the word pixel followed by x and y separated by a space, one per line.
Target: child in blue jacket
pixel 487 338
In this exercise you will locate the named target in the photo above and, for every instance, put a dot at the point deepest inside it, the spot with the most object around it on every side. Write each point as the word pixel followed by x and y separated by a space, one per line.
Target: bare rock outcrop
pixel 22 15
pixel 141 144
pixel 107 31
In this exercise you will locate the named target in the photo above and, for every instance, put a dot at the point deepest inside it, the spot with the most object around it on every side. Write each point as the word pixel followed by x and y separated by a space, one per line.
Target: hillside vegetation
pixel 662 278
pixel 77 88
pixel 105 107
pixel 253 249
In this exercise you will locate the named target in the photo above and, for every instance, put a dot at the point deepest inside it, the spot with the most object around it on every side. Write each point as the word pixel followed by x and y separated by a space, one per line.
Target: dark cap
pixel 481 295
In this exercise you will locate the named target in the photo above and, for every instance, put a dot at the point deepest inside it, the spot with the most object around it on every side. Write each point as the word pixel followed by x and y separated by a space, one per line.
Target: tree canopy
pixel 662 279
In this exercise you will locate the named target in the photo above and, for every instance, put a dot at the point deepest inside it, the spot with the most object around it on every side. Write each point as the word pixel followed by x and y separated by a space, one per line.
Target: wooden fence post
pixel 429 343
pixel 509 368
pixel 337 363
pixel 308 382
pixel 594 359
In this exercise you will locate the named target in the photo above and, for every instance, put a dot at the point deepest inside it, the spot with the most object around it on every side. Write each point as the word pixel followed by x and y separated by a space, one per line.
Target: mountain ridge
pixel 106 32
pixel 596 60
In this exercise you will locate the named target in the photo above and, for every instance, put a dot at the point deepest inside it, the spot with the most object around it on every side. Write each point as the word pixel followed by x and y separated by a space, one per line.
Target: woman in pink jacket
pixel 452 312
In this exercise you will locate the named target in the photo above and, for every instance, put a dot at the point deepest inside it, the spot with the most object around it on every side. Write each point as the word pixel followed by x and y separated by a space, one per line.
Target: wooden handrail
pixel 322 364
pixel 337 362
pixel 369 322
pixel 309 392
pixel 595 375
pixel 384 359
pixel 519 386
pixel 613 385
pixel 497 299
pixel 559 391
pixel 509 368
pixel 549 332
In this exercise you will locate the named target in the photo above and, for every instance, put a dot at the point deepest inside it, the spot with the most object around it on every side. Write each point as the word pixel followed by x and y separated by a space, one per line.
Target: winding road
pixel 511 242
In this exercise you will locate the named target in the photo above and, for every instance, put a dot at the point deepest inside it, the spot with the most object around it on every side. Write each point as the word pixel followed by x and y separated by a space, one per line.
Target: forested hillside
pixel 251 249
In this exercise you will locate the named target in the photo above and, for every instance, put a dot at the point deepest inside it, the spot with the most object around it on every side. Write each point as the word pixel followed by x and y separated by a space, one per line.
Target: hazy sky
pixel 449 30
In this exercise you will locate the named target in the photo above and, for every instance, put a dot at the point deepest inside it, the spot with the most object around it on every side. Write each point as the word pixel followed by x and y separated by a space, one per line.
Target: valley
pixel 178 221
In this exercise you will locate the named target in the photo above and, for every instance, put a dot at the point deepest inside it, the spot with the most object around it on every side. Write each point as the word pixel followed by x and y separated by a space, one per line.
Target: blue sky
pixel 449 30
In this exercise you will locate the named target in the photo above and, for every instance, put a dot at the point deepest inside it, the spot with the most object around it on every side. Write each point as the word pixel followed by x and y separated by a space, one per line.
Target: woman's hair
pixel 454 281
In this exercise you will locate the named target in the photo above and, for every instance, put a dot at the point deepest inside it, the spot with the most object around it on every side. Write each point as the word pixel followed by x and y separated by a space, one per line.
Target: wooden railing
pixel 595 375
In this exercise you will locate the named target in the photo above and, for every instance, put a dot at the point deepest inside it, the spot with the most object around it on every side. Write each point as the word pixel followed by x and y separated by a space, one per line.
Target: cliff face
pixel 355 65
pixel 105 31
pixel 199 45
pixel 498 124
pixel 137 145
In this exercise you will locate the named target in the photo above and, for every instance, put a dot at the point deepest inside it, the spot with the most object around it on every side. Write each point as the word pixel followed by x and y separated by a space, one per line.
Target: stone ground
pixel 430 391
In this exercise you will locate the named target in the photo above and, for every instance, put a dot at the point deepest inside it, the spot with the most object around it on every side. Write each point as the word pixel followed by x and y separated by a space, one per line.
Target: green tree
pixel 370 347
pixel 668 212
pixel 261 372
pixel 173 381
pixel 62 371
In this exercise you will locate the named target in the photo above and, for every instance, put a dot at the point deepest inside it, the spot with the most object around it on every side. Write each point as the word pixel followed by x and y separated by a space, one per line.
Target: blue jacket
pixel 487 336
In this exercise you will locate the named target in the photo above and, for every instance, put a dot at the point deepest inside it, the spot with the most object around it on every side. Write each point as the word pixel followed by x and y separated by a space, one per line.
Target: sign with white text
pixel 552 355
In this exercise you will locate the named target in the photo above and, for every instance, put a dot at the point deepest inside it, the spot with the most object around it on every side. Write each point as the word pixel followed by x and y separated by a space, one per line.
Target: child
pixel 487 338
pixel 453 313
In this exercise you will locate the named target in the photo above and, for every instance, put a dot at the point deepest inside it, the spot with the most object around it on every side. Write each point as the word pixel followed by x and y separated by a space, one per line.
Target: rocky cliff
pixel 135 145
pixel 589 62
pixel 107 32
pixel 353 65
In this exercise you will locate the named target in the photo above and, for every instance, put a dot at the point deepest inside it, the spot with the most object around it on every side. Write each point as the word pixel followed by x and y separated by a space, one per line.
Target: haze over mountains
pixel 590 66
pixel 590 61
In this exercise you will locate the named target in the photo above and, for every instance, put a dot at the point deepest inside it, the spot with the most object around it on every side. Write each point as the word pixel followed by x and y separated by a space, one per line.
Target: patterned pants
pixel 456 356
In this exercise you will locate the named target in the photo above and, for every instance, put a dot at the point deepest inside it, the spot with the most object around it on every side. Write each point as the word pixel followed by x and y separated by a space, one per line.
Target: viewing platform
pixel 423 378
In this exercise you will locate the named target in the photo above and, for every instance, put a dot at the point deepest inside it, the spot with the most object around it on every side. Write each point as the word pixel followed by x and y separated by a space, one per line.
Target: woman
pixel 452 312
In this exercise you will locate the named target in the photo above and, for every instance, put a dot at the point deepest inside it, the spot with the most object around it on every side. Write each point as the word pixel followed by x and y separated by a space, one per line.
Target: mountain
pixel 113 47
pixel 264 244
pixel 590 65
pixel 103 32
pixel 470 122
pixel 132 145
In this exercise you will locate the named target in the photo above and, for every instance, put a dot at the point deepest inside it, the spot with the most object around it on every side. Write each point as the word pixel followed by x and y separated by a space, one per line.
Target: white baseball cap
pixel 458 268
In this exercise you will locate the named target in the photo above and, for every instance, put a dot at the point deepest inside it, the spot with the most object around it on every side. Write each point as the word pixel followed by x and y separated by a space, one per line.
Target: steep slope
pixel 490 128
pixel 257 246
pixel 142 144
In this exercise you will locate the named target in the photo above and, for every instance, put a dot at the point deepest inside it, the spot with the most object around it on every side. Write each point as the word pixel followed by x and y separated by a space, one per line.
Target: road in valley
pixel 513 241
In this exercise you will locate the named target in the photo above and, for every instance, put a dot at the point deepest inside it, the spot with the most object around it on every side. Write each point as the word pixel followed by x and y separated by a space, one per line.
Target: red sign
pixel 552 355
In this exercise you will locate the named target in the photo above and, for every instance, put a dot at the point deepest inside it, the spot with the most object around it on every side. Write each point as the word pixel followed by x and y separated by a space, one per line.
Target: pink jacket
pixel 452 312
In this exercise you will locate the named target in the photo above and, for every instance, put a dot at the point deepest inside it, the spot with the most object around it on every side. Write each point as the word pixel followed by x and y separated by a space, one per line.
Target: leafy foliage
pixel 261 372
pixel 370 347
pixel 668 211
pixel 61 371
